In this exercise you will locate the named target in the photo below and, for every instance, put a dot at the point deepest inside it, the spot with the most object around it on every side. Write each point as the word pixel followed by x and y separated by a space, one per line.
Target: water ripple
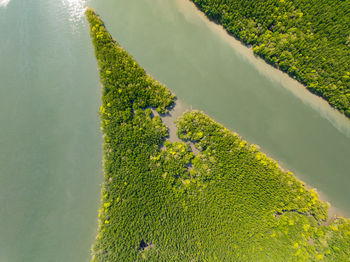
pixel 76 9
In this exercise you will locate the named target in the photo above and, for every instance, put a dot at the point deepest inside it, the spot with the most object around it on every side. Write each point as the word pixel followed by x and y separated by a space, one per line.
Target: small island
pixel 224 201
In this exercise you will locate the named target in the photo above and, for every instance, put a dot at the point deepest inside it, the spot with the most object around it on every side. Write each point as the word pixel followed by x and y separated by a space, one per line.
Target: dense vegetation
pixel 161 202
pixel 308 39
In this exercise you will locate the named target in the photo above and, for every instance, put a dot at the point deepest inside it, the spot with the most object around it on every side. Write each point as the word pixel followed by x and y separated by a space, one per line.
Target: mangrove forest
pixel 308 39
pixel 226 200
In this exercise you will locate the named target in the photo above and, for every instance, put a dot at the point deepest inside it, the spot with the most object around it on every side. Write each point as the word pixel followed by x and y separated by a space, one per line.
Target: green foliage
pixel 160 202
pixel 308 39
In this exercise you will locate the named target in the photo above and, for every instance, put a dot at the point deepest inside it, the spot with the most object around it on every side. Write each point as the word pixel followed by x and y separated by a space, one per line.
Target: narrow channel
pixel 50 144
pixel 213 72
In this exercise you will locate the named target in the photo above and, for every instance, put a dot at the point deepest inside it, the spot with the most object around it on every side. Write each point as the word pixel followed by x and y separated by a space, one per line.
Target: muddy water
pixel 211 71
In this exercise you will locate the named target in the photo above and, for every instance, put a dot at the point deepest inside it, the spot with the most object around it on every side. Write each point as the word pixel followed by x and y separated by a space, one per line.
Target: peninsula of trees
pixel 162 202
pixel 308 39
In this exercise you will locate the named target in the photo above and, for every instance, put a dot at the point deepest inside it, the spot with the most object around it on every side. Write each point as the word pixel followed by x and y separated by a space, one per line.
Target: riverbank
pixel 320 105
pixel 280 41
pixel 207 73
pixel 179 109
pixel 229 201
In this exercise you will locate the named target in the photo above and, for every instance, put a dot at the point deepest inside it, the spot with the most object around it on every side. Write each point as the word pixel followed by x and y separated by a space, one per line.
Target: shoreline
pixel 181 108
pixel 240 42
pixel 317 103
pixel 164 200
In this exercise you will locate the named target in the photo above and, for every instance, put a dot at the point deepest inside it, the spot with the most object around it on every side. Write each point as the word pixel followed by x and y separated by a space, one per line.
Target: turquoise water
pixel 50 143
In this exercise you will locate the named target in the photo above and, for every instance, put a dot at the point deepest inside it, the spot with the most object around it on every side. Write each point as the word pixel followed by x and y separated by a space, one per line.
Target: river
pixel 213 72
pixel 50 142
